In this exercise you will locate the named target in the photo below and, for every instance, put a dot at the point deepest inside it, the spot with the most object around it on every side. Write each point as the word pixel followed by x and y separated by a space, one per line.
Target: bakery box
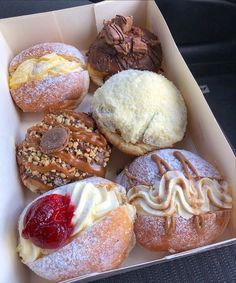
pixel 79 26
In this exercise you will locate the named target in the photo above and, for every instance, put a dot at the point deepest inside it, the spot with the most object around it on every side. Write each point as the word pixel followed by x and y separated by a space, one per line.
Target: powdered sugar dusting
pixel 102 247
pixel 144 168
pixel 151 232
pixel 46 48
pixel 51 92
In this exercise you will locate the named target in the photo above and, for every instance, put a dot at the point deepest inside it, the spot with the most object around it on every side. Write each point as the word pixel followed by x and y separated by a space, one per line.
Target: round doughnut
pixel 64 147
pixel 120 46
pixel 48 77
pixel 101 235
pixel 182 201
pixel 140 111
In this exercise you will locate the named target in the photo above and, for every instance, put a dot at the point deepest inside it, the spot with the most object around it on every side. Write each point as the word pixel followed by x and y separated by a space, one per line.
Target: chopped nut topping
pixel 29 152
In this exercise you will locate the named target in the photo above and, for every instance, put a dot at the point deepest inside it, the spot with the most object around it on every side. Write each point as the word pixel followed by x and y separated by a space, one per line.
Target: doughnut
pixel 140 111
pixel 77 229
pixel 182 201
pixel 48 77
pixel 121 46
pixel 64 147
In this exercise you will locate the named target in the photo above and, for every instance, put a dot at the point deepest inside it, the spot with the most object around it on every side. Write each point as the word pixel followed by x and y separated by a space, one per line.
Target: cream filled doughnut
pixel 80 228
pixel 48 77
pixel 182 201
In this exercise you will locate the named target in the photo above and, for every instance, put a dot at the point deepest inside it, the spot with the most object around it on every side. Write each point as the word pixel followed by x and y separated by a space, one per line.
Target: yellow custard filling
pixel 49 65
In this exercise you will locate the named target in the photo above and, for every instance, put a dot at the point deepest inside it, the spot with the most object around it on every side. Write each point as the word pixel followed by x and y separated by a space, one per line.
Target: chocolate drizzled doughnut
pixel 120 46
pixel 63 148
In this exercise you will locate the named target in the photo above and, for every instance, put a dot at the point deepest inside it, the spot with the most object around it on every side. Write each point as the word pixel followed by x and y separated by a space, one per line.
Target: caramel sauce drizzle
pixel 77 133
pixel 220 218
pixel 88 121
pixel 90 137
pixel 43 187
pixel 199 223
pixel 81 165
pixel 186 164
pixel 50 167
pixel 81 134
pixel 33 139
pixel 160 164
pixel 170 224
pixel 183 160
pixel 71 160
pixel 163 167
pixel 132 178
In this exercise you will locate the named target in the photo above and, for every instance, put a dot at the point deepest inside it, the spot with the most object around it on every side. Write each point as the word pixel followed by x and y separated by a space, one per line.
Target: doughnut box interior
pixel 79 26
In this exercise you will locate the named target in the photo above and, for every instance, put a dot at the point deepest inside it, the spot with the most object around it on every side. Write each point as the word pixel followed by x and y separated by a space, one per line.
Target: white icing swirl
pixel 91 205
pixel 175 194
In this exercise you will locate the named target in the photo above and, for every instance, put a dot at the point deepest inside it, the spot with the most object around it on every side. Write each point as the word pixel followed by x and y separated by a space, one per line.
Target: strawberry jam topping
pixel 48 223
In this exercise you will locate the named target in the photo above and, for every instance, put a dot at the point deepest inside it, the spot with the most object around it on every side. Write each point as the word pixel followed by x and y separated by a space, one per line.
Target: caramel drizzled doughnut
pixel 63 148
pixel 182 201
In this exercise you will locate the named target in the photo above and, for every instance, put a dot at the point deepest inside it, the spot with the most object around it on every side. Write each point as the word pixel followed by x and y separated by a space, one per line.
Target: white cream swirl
pixel 91 205
pixel 175 194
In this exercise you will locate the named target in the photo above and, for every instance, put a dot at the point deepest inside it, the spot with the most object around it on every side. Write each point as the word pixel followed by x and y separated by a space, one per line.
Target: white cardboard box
pixel 79 26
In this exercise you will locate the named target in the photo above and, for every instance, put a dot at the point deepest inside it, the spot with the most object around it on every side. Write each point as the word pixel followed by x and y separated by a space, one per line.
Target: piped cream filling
pixel 92 204
pixel 49 65
pixel 175 194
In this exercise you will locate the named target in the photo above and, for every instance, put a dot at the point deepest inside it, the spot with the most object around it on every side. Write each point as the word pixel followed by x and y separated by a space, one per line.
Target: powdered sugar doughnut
pixel 182 201
pixel 101 234
pixel 48 77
